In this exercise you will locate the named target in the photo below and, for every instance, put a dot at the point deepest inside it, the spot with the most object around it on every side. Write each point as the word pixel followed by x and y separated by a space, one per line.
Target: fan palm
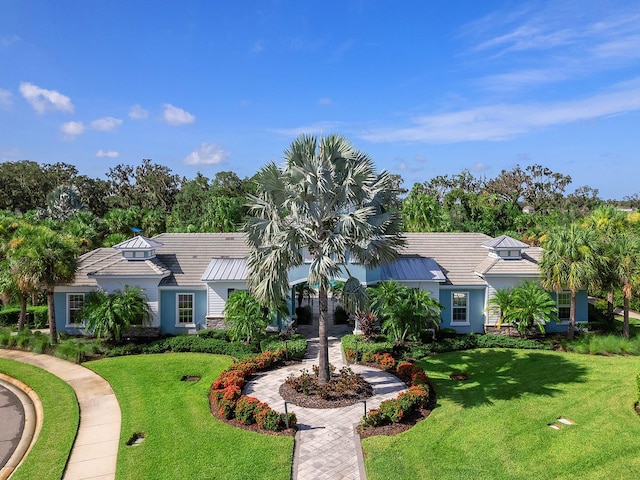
pixel 572 260
pixel 329 200
pixel 625 259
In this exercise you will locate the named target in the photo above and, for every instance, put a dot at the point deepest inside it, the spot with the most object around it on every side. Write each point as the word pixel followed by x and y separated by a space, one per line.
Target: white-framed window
pixel 459 308
pixel 75 302
pixel 564 306
pixel 184 307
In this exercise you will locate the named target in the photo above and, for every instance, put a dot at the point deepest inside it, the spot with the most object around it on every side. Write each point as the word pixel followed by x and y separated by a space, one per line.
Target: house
pixel 187 277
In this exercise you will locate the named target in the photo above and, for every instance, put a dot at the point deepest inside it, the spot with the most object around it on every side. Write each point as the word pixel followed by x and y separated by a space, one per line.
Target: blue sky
pixel 424 87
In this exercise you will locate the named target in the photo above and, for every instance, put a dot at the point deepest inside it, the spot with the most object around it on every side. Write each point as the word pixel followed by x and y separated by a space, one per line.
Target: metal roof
pixel 413 269
pixel 225 269
pixel 138 243
pixel 504 241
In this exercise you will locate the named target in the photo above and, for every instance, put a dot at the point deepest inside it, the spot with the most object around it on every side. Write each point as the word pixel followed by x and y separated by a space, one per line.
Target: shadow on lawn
pixel 500 375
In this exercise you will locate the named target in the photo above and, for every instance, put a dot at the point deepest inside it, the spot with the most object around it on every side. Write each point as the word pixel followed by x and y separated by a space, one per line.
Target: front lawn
pixel 495 424
pixel 182 438
pixel 48 457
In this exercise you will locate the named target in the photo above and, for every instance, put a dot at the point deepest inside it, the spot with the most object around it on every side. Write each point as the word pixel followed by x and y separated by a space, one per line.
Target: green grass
pixel 495 425
pixel 183 439
pixel 48 457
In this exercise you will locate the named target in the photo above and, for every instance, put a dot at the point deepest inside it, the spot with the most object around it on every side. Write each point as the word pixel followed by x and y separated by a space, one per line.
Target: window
pixel 459 307
pixel 185 308
pixel 75 302
pixel 564 306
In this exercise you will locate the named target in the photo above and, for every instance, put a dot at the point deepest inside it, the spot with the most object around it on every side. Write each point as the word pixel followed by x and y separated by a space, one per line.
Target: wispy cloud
pixel 9 40
pixel 137 112
pixel 72 129
pixel 502 121
pixel 325 102
pixel 206 154
pixel 257 47
pixel 106 124
pixel 318 128
pixel 43 100
pixel 107 153
pixel 177 116
pixel 6 98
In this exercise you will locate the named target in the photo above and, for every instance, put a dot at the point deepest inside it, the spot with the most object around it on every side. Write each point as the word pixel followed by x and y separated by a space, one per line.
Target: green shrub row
pixel 295 347
pixel 38 316
pixel 186 343
pixel 359 346
pixel 36 342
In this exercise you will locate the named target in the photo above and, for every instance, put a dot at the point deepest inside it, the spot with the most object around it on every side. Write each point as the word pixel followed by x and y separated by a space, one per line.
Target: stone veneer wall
pixel 215 323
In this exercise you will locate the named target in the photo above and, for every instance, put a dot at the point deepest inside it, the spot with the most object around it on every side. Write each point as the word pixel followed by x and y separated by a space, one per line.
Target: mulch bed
pixel 316 401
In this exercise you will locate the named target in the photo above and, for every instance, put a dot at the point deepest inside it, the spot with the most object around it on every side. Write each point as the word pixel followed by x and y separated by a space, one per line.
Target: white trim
pixel 458 323
pixel 193 307
pixel 67 312
pixel 564 305
pixel 182 288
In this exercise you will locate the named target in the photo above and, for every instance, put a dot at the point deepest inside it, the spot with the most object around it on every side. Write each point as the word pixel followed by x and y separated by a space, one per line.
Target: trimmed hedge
pixel 295 347
pixel 186 343
pixel 226 399
pixel 38 316
pixel 355 346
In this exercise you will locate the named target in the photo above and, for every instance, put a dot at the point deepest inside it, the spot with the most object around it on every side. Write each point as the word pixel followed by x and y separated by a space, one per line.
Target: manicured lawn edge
pixel 48 457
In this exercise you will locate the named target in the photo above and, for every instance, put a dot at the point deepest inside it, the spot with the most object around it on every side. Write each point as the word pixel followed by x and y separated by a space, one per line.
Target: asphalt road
pixel 11 423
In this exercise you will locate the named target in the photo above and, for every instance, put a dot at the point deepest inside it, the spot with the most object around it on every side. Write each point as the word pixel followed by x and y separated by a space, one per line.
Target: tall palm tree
pixel 625 258
pixel 608 222
pixel 51 259
pixel 329 200
pixel 572 260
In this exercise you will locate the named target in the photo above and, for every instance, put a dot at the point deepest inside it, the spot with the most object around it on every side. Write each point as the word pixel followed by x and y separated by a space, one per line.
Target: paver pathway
pixel 326 445
pixel 95 449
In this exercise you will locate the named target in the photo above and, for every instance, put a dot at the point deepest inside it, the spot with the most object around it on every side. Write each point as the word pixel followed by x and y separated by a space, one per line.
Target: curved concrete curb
pixel 95 448
pixel 33 415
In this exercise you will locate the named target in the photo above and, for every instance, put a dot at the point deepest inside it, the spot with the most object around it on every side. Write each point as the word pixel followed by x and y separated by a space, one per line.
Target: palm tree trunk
pixel 572 316
pixel 610 317
pixel 52 316
pixel 22 320
pixel 625 325
pixel 323 343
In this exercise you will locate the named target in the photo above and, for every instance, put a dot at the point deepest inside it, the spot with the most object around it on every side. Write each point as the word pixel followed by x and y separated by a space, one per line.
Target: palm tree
pixel 530 306
pixel 608 222
pixel 328 199
pixel 625 259
pixel 572 260
pixel 500 303
pixel 63 202
pixel 51 259
pixel 111 314
pixel 244 315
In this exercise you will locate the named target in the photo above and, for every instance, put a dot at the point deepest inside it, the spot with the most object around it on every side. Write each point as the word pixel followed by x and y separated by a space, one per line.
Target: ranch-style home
pixel 187 277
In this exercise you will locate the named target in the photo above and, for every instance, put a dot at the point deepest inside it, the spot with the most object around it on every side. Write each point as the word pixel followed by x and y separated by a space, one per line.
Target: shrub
pixel 368 325
pixel 216 334
pixel 611 344
pixel 360 346
pixel 638 385
pixel 40 316
pixel 225 400
pixel 269 419
pixel 340 316
pixel 9 316
pixel 76 349
pixel 296 347
pixel 385 360
pixel 246 409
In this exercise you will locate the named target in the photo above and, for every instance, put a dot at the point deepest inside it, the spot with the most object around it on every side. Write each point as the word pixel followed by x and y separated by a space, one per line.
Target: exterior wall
pixel 582 313
pixel 216 296
pixel 476 316
pixel 500 283
pixel 149 288
pixel 169 311
pixel 60 300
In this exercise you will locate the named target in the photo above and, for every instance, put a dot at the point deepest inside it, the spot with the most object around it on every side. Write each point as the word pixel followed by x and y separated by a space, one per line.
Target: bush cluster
pixel 355 346
pixel 25 339
pixel 344 384
pixel 296 346
pixel 186 343
pixel 594 344
pixel 304 315
pixel 227 401
pixel 384 360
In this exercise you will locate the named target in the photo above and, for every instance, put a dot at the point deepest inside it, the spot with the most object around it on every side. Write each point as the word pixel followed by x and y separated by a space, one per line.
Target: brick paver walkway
pixel 326 445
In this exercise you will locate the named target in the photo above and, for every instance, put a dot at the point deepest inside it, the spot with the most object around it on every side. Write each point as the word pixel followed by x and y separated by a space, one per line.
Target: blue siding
pixel 60 300
pixel 475 313
pixel 168 310
pixel 582 313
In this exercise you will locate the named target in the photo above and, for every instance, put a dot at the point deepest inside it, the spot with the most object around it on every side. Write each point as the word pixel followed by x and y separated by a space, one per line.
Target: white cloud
pixel 72 129
pixel 137 112
pixel 177 116
pixel 106 124
pixel 206 154
pixel 108 153
pixel 6 98
pixel 503 121
pixel 42 100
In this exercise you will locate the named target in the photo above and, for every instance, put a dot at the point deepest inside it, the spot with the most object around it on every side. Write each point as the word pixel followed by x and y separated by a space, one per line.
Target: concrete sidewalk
pixel 95 450
pixel 326 445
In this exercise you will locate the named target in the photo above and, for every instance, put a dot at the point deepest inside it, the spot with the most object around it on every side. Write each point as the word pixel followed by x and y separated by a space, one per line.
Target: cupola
pixel 505 247
pixel 138 248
